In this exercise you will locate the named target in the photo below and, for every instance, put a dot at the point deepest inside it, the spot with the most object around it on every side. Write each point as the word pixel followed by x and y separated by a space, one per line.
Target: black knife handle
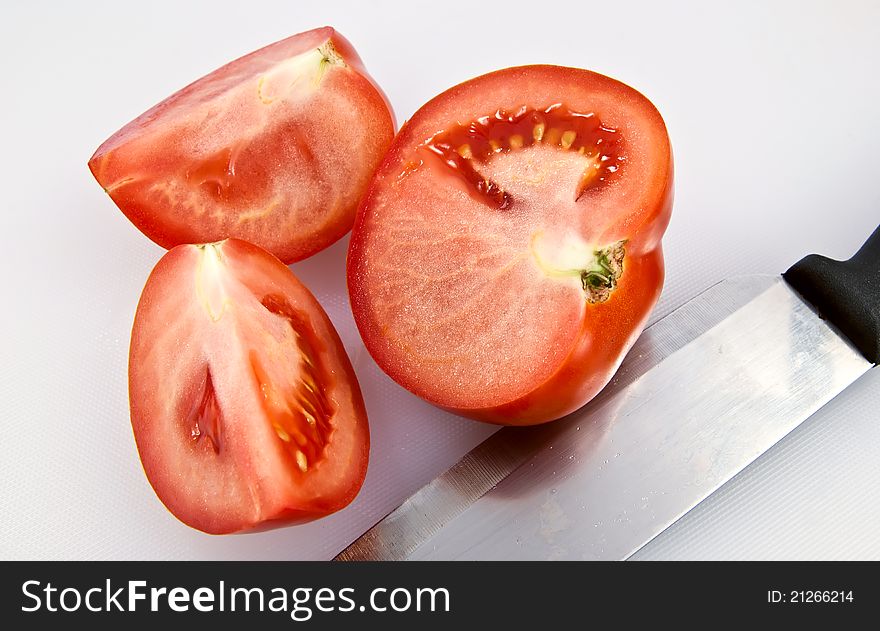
pixel 846 293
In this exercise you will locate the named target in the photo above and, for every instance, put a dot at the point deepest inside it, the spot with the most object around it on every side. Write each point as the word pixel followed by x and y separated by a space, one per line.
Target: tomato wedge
pixel 507 253
pixel 275 148
pixel 244 405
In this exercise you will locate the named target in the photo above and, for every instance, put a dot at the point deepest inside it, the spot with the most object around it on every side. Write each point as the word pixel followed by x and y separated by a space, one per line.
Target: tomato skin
pixel 596 340
pixel 214 310
pixel 275 148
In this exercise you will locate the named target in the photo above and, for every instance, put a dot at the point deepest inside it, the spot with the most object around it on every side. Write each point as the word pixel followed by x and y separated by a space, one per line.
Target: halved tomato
pixel 507 253
pixel 244 405
pixel 275 148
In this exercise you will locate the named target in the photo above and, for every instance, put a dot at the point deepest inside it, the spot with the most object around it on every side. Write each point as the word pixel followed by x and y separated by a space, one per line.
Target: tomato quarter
pixel 244 405
pixel 275 148
pixel 507 254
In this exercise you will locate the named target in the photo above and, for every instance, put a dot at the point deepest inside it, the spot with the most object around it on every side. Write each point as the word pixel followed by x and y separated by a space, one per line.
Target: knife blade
pixel 701 395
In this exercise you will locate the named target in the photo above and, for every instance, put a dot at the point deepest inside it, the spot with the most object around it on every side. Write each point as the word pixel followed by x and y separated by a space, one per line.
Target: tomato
pixel 275 148
pixel 244 405
pixel 508 251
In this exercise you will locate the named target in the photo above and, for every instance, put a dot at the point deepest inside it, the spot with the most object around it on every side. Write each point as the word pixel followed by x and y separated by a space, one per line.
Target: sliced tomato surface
pixel 276 148
pixel 508 252
pixel 244 405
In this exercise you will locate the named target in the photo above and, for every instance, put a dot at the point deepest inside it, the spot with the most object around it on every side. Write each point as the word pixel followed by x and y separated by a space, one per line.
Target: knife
pixel 703 392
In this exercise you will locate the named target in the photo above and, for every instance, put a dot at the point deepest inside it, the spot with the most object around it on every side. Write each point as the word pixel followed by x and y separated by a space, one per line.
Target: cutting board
pixel 771 114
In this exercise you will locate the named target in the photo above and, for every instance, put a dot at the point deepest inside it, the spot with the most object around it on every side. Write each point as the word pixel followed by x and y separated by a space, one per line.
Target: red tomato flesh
pixel 275 148
pixel 507 253
pixel 244 405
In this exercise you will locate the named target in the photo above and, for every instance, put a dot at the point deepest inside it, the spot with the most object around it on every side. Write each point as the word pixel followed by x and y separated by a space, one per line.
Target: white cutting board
pixel 772 114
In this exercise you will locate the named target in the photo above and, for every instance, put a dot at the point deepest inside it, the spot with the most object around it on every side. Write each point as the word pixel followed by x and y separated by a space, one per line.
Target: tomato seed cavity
pixel 216 174
pixel 205 417
pixel 555 126
pixel 300 416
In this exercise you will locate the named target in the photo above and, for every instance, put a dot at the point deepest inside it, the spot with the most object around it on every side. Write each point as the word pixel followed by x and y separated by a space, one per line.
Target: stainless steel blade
pixel 704 392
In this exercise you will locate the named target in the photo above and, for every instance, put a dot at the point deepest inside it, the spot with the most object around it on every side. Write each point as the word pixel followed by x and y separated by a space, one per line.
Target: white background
pixel 772 110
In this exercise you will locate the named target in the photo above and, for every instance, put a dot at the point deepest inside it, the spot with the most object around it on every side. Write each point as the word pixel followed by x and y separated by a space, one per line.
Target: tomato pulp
pixel 508 251
pixel 276 148
pixel 244 405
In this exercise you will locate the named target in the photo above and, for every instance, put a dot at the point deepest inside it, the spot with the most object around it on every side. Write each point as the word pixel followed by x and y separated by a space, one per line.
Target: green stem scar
pixel 601 270
pixel 329 57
